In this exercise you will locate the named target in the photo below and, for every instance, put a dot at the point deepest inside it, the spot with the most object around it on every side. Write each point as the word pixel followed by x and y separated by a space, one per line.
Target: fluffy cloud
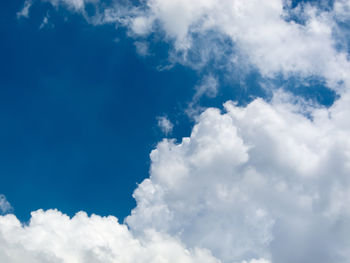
pixel 54 237
pixel 261 31
pixel 261 181
pixel 268 35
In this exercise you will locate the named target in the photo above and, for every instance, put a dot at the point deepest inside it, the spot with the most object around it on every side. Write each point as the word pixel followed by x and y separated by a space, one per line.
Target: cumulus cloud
pixel 54 237
pixel 261 181
pixel 5 206
pixel 260 31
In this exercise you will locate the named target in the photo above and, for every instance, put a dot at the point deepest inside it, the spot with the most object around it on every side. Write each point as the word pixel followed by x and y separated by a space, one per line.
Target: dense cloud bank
pixel 259 181
pixel 268 182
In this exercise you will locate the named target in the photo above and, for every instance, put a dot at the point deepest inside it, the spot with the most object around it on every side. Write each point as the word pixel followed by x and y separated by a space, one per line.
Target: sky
pixel 174 131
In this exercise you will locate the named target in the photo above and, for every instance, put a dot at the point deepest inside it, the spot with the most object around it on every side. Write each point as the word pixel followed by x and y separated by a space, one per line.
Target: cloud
pixel 142 48
pixel 24 12
pixel 5 206
pixel 261 181
pixel 74 5
pixel 209 88
pixel 52 237
pixel 165 125
pixel 342 9
pixel 271 36
pixel 261 32
pixel 45 22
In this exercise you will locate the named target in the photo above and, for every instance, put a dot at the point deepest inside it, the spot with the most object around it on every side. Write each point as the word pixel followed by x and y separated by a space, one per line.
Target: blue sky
pixel 80 114
pixel 257 94
pixel 79 111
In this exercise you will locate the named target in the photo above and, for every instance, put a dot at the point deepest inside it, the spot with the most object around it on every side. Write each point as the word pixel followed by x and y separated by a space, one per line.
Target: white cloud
pixel 259 31
pixel 5 206
pixel 209 88
pixel 45 22
pixel 165 125
pixel 74 5
pixel 342 9
pixel 142 25
pixel 25 10
pixel 261 181
pixel 142 48
pixel 54 237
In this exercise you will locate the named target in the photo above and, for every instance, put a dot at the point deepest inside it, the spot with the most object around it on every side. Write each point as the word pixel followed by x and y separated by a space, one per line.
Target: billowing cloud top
pixel 267 182
pixel 260 181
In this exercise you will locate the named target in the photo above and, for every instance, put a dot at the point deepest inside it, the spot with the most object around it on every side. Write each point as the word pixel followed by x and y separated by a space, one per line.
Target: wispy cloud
pixel 24 12
pixel 165 125
pixel 142 48
pixel 45 22
pixel 5 206
pixel 209 88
